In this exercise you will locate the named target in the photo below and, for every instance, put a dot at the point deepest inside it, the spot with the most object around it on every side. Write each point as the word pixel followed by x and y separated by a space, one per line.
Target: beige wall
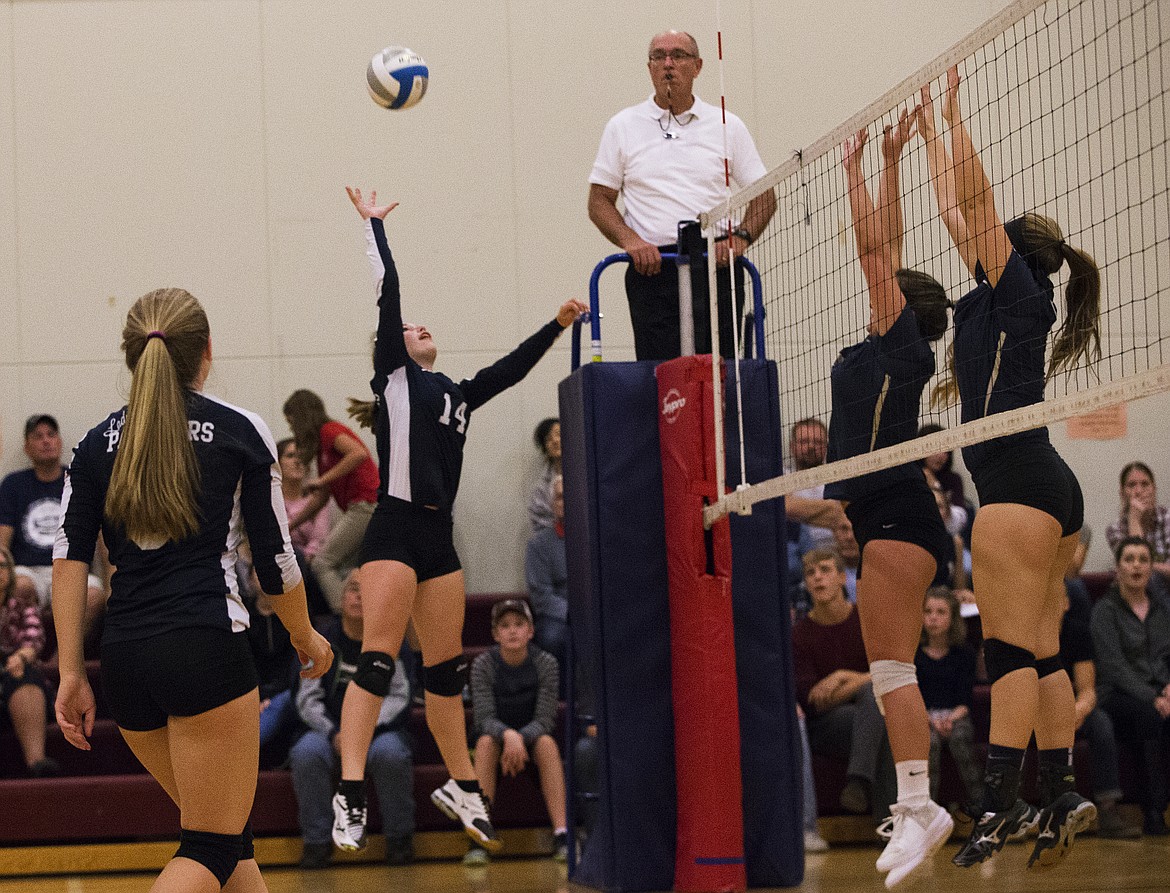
pixel 205 143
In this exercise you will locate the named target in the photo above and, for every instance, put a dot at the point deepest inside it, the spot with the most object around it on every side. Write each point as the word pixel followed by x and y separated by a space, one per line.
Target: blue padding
pixel 620 618
pixel 619 613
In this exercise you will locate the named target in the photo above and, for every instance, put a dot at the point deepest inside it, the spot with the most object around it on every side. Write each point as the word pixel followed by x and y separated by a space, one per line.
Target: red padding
pixel 709 853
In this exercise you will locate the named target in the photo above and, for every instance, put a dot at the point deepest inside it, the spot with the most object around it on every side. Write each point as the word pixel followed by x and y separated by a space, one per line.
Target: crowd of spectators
pixel 1116 651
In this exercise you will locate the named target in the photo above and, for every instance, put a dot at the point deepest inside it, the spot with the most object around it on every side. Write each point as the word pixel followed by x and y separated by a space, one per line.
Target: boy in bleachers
pixel 514 700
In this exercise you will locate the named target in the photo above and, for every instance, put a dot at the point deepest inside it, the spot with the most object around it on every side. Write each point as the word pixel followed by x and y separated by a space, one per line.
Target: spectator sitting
pixel 832 680
pixel 548 437
pixel 514 700
pixel 23 690
pixel 30 512
pixel 548 580
pixel 1076 655
pixel 315 759
pixel 275 659
pixel 1131 643
pixel 957 572
pixel 850 552
pixel 946 677
pixel 1142 516
pixel 941 466
pixel 308 539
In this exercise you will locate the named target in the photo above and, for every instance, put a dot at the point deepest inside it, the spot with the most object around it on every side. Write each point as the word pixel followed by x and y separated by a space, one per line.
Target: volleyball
pixel 397 78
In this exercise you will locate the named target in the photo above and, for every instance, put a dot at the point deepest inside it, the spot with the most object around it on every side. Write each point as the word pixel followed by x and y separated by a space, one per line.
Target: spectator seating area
pixel 106 795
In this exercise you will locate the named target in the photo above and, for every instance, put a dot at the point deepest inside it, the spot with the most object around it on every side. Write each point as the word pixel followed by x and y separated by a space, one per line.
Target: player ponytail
pixel 946 392
pixel 1080 335
pixel 928 299
pixel 362 412
pixel 153 486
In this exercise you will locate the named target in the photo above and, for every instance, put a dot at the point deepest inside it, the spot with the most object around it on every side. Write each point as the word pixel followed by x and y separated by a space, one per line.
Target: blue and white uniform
pixel 420 425
pixel 877 389
pixel 1001 336
pixel 172 601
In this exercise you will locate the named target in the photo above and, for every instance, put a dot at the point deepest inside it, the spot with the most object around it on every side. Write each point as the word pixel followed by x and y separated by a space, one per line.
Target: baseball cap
pixel 516 605
pixel 40 419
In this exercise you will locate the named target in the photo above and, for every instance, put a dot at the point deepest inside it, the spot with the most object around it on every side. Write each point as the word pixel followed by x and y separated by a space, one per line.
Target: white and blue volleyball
pixel 397 78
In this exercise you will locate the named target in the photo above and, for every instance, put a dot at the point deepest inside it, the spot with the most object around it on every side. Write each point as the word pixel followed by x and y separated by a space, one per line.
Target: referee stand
pixel 666 817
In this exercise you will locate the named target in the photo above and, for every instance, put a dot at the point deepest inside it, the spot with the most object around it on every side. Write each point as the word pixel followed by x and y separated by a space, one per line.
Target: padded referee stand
pixel 619 612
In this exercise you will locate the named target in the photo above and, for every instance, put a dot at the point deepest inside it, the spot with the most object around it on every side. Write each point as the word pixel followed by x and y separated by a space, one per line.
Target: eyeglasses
pixel 673 55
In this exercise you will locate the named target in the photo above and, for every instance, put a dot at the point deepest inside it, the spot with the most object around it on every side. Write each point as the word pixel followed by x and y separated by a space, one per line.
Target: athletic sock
pixel 913 783
pixel 1003 777
pixel 1056 773
pixel 354 792
pixel 468 787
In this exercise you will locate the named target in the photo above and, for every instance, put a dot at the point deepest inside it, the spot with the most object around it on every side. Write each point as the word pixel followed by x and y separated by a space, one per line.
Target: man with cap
pixel 30 511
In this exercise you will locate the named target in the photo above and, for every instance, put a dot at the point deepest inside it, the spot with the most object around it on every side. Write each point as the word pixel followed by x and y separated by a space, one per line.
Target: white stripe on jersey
pixel 397 400
pixel 61 541
pixel 290 571
pixel 237 613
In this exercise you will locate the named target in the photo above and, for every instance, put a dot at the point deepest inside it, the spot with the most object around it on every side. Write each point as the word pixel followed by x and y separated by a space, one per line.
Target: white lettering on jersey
pixel 201 431
pixel 460 414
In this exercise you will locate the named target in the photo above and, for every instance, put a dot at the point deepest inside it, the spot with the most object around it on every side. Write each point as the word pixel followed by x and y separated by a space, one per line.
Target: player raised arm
pixel 973 194
pixel 885 298
pixel 942 177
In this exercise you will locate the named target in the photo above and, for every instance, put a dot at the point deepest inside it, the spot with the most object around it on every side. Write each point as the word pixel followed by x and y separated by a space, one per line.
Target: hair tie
pixel 157 334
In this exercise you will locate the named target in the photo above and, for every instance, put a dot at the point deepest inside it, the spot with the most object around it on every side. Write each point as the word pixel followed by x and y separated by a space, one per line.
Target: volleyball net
pixel 1066 104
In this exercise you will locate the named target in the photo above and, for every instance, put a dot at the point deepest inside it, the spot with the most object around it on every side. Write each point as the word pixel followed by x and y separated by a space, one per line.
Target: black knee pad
pixel 218 853
pixel 247 843
pixel 374 671
pixel 448 678
pixel 1046 666
pixel 1002 658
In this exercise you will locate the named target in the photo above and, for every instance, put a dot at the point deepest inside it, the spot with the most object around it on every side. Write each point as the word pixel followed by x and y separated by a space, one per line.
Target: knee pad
pixel 447 678
pixel 247 843
pixel 218 853
pixel 1002 658
pixel 890 675
pixel 1046 666
pixel 374 671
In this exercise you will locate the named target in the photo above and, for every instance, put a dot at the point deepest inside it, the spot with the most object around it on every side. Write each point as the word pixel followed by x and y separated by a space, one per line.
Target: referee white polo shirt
pixel 670 167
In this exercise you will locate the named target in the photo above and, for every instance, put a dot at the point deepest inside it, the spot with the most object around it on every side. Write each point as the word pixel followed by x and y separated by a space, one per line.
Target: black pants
pixel 1138 725
pixel 654 310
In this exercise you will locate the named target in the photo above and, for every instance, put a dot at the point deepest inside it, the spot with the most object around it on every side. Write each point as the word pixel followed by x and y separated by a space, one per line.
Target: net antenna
pixel 738 330
pixel 1066 103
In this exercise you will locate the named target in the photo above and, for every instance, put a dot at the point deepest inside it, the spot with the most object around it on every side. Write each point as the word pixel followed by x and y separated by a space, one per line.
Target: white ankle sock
pixel 913 783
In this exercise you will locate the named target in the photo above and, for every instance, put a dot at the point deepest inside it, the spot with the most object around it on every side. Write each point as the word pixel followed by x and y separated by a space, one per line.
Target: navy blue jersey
pixel 877 392
pixel 1001 335
pixel 158 588
pixel 422 416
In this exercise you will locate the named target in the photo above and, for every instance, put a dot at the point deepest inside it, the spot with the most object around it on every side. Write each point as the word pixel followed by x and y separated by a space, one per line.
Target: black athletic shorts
pixel 32 676
pixel 907 513
pixel 1034 475
pixel 181 673
pixel 419 537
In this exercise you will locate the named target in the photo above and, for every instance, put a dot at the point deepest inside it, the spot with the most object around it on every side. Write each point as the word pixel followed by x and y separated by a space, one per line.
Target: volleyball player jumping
pixel 1031 507
pixel 877 388
pixel 409 566
pixel 168 480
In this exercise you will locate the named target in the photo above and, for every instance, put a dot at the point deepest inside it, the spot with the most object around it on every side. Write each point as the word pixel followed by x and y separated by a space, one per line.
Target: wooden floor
pixel 1094 865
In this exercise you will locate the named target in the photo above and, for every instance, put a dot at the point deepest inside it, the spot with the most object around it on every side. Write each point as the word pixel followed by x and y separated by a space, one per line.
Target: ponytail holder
pixel 157 334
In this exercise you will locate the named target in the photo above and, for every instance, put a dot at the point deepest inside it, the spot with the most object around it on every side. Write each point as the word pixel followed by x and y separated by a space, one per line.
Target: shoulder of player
pixel 232 419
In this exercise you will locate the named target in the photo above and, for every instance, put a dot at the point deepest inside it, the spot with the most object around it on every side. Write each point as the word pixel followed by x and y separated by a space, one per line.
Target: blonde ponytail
pixel 155 480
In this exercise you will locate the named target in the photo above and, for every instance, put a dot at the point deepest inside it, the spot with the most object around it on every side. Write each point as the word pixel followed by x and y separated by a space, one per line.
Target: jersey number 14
pixel 460 414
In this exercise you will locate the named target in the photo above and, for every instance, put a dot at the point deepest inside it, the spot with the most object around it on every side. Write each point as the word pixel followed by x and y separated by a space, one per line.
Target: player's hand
pixel 950 109
pixel 851 148
pixel 924 115
pixel 894 138
pixel 369 207
pixel 645 257
pixel 570 311
pixel 75 709
pixel 315 654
